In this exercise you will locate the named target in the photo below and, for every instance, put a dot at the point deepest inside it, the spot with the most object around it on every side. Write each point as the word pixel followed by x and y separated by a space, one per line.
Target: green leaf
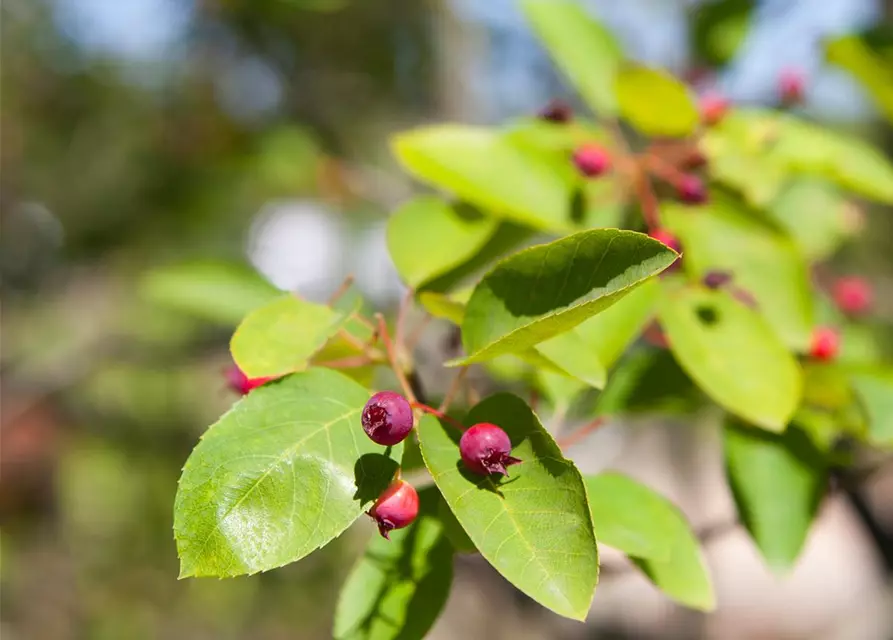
pixel 482 166
pixel 719 28
pixel 283 335
pixel 725 235
pixel 583 49
pixel 873 71
pixel 733 355
pixel 875 390
pixel 777 481
pixel 220 292
pixel 281 474
pixel 811 211
pixel 683 576
pixel 548 289
pixel 534 528
pixel 443 306
pixel 648 381
pixel 630 517
pixel 561 390
pixel 611 331
pixel 428 237
pixel 398 587
pixel 453 530
pixel 654 102
pixel 573 355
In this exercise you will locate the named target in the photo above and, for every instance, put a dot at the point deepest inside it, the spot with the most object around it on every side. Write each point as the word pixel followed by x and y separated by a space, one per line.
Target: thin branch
pixel 400 332
pixel 454 389
pixel 647 199
pixel 350 362
pixel 392 358
pixel 413 340
pixel 576 436
pixel 439 414
pixel 341 290
pixel 662 169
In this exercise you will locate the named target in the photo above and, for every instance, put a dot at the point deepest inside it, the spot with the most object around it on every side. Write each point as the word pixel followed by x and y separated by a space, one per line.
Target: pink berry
pixel 387 418
pixel 853 295
pixel 791 86
pixel 714 107
pixel 242 384
pixel 662 235
pixel 592 160
pixel 395 508
pixel 556 111
pixel 825 343
pixel 717 279
pixel 691 189
pixel 485 449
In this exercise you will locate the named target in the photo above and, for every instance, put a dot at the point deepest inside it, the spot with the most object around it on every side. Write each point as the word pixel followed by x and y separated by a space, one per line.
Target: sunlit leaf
pixel 811 211
pixel 285 471
pixel 534 528
pixel 875 390
pixel 870 69
pixel 654 102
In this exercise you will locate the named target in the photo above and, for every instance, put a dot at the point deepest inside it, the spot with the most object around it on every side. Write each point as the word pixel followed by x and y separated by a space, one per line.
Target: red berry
pixel 387 418
pixel 655 336
pixel 592 160
pixel 485 449
pixel 242 384
pixel 395 508
pixel 717 279
pixel 662 235
pixel 714 107
pixel 825 343
pixel 853 295
pixel 691 189
pixel 791 86
pixel 556 111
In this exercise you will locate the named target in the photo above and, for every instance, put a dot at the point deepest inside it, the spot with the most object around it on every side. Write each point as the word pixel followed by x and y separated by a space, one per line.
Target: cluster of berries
pixel 388 419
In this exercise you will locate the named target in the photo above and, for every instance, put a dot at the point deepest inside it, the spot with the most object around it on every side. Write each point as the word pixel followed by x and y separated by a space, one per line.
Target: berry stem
pixel 437 414
pixel 341 290
pixel 663 169
pixel 453 390
pixel 365 347
pixel 350 362
pixel 576 436
pixel 392 358
pixel 647 199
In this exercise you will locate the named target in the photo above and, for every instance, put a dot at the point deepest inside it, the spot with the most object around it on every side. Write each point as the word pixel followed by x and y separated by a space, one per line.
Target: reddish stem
pixel 454 388
pixel 341 290
pixel 578 435
pixel 437 414
pixel 392 358
pixel 350 362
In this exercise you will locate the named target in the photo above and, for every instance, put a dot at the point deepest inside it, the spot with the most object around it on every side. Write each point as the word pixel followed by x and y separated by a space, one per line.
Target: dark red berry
pixel 745 297
pixel 395 508
pixel 242 384
pixel 592 160
pixel 387 418
pixel 485 449
pixel 556 111
pixel 717 279
pixel 791 86
pixel 853 295
pixel 662 235
pixel 655 336
pixel 825 343
pixel 714 107
pixel 694 159
pixel 691 189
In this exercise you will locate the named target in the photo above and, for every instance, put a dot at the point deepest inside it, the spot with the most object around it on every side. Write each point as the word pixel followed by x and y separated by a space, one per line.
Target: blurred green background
pixel 146 142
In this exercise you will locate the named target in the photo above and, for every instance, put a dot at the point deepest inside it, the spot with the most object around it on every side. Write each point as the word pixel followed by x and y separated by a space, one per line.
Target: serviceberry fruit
pixel 691 189
pixel 825 343
pixel 242 384
pixel 556 111
pixel 714 107
pixel 853 295
pixel 387 418
pixel 791 86
pixel 395 508
pixel 662 235
pixel 485 449
pixel 717 279
pixel 592 160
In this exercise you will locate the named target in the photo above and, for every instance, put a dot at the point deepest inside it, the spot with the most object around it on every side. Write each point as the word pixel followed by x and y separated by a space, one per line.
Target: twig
pixel 413 340
pixel 341 290
pixel 350 362
pixel 438 414
pixel 644 192
pixel 573 438
pixel 454 389
pixel 392 358
pixel 399 333
pixel 663 170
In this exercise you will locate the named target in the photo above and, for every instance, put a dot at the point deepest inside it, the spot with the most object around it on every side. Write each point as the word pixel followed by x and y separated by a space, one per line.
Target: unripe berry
pixel 387 418
pixel 825 343
pixel 556 111
pixel 717 279
pixel 691 189
pixel 791 86
pixel 485 449
pixel 853 295
pixel 713 107
pixel 662 235
pixel 395 508
pixel 592 160
pixel 242 384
